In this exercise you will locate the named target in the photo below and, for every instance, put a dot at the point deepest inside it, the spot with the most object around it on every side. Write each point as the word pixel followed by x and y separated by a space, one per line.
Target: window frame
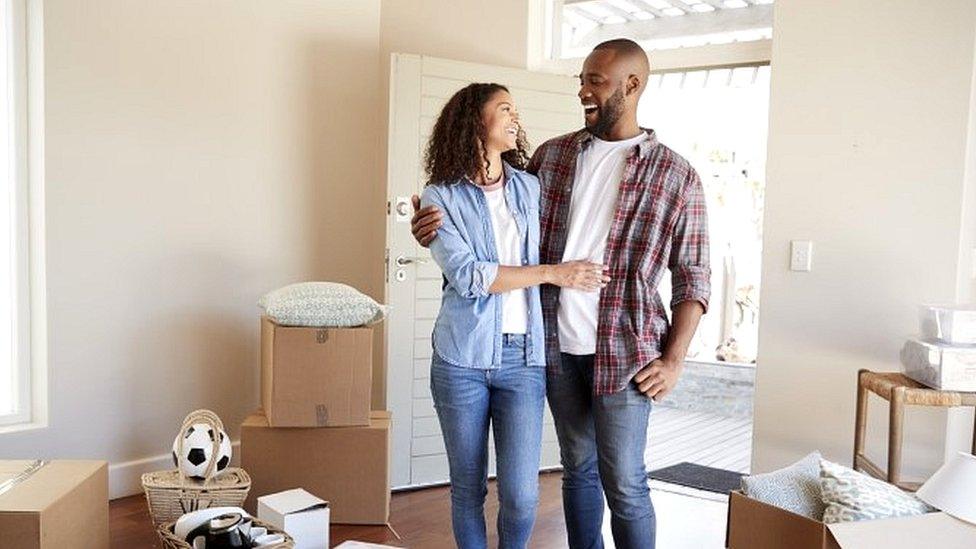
pixel 22 21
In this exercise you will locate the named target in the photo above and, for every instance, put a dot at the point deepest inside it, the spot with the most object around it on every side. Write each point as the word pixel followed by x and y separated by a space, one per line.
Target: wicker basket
pixel 171 494
pixel 170 541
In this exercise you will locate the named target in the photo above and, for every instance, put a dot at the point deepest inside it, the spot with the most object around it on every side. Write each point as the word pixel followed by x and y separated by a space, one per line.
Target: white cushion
pixel 852 496
pixel 795 488
pixel 321 304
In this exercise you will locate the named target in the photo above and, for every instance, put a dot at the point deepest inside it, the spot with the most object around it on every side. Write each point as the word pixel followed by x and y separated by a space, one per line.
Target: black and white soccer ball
pixel 198 449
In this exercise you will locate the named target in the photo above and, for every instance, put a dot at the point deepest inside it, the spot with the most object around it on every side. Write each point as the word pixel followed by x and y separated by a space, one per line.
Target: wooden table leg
pixel 860 418
pixel 974 431
pixel 896 415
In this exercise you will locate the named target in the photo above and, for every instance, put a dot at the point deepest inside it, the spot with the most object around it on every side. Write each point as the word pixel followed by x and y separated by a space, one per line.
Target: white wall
pixel 868 141
pixel 199 154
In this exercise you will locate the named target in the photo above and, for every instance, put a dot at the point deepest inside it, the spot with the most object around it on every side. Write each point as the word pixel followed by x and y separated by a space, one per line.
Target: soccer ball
pixel 197 449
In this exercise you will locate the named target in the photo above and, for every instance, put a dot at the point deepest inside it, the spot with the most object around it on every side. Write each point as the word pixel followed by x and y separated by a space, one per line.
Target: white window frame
pixel 23 21
pixel 544 29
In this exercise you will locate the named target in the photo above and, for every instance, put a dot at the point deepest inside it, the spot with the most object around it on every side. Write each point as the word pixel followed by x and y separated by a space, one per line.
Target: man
pixel 612 194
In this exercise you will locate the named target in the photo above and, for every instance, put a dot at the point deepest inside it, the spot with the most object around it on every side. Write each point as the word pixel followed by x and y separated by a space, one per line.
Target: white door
pixel 419 87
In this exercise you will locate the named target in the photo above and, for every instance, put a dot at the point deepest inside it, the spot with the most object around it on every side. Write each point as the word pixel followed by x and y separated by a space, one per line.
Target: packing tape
pixel 31 468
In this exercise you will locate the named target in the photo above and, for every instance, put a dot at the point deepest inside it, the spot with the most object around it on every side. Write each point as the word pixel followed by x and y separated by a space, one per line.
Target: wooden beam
pixel 581 13
pixel 712 56
pixel 618 11
pixel 644 5
pixel 693 24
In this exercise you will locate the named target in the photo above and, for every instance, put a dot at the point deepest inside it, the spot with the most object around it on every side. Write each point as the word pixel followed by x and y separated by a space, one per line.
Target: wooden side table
pixel 900 391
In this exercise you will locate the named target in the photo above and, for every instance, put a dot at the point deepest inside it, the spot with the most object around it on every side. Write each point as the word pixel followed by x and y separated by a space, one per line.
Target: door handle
pixel 403 260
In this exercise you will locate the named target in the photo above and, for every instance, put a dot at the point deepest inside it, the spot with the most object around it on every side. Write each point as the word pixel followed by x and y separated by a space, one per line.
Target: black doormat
pixel 699 476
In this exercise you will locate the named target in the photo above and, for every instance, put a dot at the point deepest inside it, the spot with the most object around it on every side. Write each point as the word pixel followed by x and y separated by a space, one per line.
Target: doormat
pixel 699 476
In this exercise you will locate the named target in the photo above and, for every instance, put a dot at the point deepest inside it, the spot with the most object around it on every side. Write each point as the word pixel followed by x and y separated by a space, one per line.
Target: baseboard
pixel 125 479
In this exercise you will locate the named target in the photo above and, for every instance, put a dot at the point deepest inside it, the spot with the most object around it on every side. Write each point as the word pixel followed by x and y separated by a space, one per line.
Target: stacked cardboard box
pixel 315 429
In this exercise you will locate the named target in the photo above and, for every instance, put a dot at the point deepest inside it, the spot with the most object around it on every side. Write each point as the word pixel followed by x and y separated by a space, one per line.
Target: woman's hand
pixel 578 275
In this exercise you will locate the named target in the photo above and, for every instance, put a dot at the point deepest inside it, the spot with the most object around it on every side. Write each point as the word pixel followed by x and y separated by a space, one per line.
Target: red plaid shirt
pixel 659 223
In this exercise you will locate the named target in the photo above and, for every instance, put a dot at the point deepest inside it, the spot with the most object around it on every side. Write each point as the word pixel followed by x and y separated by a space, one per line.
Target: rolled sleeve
pixel 453 254
pixel 689 261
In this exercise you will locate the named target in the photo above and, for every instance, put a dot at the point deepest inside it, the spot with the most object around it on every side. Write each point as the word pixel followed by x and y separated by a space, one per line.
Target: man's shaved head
pixel 630 55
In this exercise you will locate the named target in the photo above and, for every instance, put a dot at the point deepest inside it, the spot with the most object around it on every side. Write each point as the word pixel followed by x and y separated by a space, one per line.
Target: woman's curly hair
pixel 454 150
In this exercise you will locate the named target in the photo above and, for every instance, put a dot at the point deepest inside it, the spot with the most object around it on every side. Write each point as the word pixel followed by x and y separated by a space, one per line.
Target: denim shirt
pixel 468 330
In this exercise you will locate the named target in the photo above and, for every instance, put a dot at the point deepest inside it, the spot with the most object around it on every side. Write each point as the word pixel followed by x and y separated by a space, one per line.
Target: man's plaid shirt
pixel 660 223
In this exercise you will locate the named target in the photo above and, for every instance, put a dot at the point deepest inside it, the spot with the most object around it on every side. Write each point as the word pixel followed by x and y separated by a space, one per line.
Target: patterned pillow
pixel 852 496
pixel 321 304
pixel 795 488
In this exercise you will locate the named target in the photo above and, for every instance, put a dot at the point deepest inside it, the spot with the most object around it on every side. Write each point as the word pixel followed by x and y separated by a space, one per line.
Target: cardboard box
pixel 756 525
pixel 316 377
pixel 753 524
pixel 348 466
pixel 53 505
pixel 939 365
pixel 303 516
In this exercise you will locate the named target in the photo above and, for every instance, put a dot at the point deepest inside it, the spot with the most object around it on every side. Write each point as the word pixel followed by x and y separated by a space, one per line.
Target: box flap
pixel 293 501
pixel 46 485
pixel 929 530
pixel 256 419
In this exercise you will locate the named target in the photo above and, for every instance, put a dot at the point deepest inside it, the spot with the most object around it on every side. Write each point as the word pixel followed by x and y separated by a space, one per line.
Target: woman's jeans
pixel 511 398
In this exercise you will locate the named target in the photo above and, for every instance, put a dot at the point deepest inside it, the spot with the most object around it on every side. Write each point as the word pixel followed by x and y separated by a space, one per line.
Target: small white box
pixel 300 514
pixel 955 324
pixel 939 365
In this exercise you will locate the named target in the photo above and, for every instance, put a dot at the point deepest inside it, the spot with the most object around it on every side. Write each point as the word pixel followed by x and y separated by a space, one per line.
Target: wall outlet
pixel 801 255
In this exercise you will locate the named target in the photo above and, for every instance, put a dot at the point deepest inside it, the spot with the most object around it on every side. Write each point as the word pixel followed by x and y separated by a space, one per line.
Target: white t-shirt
pixel 599 169
pixel 515 311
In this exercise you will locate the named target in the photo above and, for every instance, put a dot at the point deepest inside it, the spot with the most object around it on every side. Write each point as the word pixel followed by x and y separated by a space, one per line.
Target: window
pixel 578 25
pixel 717 119
pixel 17 379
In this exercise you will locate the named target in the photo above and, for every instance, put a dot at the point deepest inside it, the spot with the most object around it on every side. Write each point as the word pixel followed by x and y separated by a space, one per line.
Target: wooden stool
pixel 899 390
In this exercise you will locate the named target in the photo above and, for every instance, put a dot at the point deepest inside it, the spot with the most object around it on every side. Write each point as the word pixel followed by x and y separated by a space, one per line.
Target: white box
pixel 300 514
pixel 939 365
pixel 955 324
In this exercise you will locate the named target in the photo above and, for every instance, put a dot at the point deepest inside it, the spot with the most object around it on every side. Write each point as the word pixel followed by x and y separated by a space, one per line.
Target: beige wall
pixel 867 152
pixel 199 154
pixel 495 32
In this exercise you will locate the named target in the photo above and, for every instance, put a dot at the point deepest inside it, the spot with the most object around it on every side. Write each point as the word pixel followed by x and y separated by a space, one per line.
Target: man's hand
pixel 425 222
pixel 658 378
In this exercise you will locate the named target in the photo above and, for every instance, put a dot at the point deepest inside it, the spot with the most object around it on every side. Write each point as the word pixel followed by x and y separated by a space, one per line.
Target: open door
pixel 420 86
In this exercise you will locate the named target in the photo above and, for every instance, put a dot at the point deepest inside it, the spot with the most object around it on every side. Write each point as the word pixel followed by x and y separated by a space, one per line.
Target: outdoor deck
pixel 674 436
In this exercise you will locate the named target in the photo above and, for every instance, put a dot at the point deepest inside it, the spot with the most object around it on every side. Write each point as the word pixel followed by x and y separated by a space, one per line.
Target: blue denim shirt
pixel 468 330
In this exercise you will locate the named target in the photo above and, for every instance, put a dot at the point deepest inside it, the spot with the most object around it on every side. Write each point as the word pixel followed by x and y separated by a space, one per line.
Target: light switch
pixel 801 255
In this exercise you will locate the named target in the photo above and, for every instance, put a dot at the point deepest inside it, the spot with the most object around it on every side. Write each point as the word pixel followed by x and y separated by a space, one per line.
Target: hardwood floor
pixel 686 519
pixel 420 517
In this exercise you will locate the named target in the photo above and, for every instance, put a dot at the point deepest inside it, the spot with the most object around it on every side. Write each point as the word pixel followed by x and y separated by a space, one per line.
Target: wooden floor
pixel 422 517
pixel 686 519
pixel 674 436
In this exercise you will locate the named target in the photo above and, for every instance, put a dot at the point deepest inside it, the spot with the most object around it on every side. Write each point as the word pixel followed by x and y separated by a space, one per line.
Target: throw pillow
pixel 321 304
pixel 852 496
pixel 795 488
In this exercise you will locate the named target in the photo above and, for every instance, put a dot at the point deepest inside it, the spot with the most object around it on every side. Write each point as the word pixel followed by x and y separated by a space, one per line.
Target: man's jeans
pixel 512 398
pixel 602 439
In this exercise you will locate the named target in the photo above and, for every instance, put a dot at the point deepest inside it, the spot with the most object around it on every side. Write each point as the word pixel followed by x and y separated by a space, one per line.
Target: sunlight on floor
pixel 686 518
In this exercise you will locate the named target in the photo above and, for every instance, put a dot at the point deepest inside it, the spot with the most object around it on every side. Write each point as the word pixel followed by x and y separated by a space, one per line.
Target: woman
pixel 488 361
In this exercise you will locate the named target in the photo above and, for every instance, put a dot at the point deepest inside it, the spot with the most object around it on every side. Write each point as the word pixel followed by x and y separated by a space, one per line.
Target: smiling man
pixel 612 194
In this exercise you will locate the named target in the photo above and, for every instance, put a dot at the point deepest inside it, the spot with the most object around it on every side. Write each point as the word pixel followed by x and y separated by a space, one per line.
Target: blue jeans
pixel 511 398
pixel 601 442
